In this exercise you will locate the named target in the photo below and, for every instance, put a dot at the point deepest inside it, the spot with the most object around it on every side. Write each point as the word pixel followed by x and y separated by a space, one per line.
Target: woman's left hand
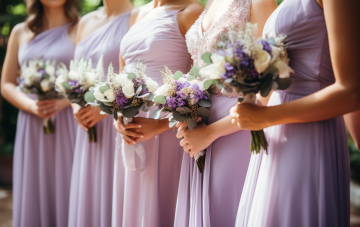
pixel 195 140
pixel 249 116
pixel 147 127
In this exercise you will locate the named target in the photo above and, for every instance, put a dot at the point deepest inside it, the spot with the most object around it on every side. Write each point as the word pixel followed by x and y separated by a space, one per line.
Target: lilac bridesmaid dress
pixel 42 162
pixel 304 178
pixel 212 198
pixel 93 168
pixel 150 194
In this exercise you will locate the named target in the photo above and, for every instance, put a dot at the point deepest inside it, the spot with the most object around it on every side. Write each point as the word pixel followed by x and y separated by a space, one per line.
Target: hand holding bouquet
pixel 126 93
pixel 77 81
pixel 38 78
pixel 186 99
pixel 248 65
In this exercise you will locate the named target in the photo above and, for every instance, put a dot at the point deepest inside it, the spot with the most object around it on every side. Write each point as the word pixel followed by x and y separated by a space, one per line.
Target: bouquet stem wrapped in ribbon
pixel 249 66
pixel 125 94
pixel 38 78
pixel 186 99
pixel 77 81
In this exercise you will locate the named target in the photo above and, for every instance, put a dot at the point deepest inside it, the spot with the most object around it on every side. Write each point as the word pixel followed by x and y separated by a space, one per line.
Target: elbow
pixel 354 98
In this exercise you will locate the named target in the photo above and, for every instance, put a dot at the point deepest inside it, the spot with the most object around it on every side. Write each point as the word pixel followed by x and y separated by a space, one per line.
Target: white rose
pixel 74 76
pixel 216 69
pixel 262 62
pixel 59 81
pixel 119 79
pixel 284 69
pixel 90 78
pixel 97 93
pixel 162 90
pixel 128 88
pixel 45 85
pixel 275 53
pixel 151 85
pixel 110 95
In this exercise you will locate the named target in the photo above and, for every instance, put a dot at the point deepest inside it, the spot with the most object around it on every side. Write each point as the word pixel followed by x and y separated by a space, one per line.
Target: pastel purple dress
pixel 150 194
pixel 92 175
pixel 212 198
pixel 303 180
pixel 43 162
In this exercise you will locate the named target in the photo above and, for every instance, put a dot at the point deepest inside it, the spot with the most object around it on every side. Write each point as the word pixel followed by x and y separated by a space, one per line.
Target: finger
pixel 46 107
pixel 133 134
pixel 83 127
pixel 238 124
pixel 92 124
pixel 45 102
pixel 85 115
pixel 180 135
pixel 183 143
pixel 120 123
pixel 128 140
pixel 83 110
pixel 186 149
pixel 183 127
pixel 132 125
pixel 178 124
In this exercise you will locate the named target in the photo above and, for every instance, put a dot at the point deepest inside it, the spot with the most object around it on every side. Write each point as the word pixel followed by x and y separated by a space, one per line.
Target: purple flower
pixel 143 92
pixel 229 71
pixel 160 106
pixel 121 100
pixel 254 74
pixel 171 102
pixel 79 90
pixel 239 52
pixel 266 46
pixel 73 83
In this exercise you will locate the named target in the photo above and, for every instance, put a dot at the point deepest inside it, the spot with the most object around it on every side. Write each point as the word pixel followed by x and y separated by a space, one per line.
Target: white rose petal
pixel 90 78
pixel 110 95
pixel 45 85
pixel 262 62
pixel 119 79
pixel 216 69
pixel 74 76
pixel 128 88
pixel 162 90
pixel 275 52
pixel 284 69
pixel 98 95
pixel 151 85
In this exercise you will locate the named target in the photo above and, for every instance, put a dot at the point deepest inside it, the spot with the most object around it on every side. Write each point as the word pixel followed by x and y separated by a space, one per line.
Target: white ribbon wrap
pixel 129 153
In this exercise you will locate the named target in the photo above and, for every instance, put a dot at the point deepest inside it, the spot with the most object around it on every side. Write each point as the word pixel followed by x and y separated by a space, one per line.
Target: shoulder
pixel 20 34
pixel 139 12
pixel 86 19
pixel 72 32
pixel 189 15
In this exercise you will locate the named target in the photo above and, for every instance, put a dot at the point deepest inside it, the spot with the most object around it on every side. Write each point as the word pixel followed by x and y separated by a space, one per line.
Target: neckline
pixel 102 27
pixel 201 30
pixel 41 34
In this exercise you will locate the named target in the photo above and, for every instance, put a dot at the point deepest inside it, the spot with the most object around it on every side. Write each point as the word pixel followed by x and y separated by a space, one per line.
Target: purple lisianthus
pixel 266 46
pixel 229 71
pixel 121 100
pixel 143 92
pixel 79 90
pixel 239 52
pixel 73 83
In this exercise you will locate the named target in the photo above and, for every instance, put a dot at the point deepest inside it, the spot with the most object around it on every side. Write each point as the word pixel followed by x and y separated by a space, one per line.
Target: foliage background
pixel 13 12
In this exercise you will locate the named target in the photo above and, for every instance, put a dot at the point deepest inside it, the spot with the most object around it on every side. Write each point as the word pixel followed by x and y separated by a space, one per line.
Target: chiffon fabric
pixel 150 194
pixel 92 175
pixel 212 198
pixel 304 178
pixel 42 162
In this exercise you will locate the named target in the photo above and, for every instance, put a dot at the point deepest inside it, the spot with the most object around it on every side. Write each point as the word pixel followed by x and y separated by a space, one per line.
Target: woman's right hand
pixel 128 135
pixel 44 109
pixel 76 113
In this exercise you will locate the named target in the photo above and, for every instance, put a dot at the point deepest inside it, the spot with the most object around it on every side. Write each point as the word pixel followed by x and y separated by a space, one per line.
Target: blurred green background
pixel 13 12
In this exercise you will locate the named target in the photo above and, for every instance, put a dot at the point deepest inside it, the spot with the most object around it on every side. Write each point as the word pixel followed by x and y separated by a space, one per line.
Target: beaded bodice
pixel 199 42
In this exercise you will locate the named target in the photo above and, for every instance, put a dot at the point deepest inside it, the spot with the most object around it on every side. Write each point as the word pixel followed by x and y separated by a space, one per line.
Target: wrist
pixel 163 125
pixel 213 134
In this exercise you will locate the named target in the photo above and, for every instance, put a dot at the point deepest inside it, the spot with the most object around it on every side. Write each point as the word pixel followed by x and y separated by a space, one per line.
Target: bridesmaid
pixel 42 162
pixel 157 39
pixel 212 198
pixel 100 33
pixel 303 179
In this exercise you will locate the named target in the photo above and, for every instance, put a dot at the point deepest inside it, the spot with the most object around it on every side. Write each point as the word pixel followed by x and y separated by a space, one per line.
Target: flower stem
pixel 92 135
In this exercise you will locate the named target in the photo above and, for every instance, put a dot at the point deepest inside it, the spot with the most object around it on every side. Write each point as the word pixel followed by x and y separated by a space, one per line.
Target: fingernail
pixel 142 136
pixel 139 126
pixel 133 142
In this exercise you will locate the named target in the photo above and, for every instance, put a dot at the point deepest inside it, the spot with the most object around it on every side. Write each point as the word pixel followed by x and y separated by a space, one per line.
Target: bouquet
pixel 38 78
pixel 248 65
pixel 186 99
pixel 126 93
pixel 77 81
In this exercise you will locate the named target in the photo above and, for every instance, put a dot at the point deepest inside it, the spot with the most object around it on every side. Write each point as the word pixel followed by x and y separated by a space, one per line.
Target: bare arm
pixel 352 121
pixel 335 100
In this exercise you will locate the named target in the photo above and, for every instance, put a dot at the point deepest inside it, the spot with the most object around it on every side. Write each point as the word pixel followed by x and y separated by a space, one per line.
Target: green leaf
pixel 46 76
pixel 283 83
pixel 138 90
pixel 156 113
pixel 191 123
pixel 172 123
pixel 179 117
pixel 204 112
pixel 183 110
pixel 206 57
pixel 66 85
pixel 194 71
pixel 104 109
pixel 178 75
pixel 204 103
pixel 131 76
pixel 266 85
pixel 89 97
pixel 115 114
pixel 208 83
pixel 161 99
pixel 102 89
pixel 129 112
pixel 91 89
